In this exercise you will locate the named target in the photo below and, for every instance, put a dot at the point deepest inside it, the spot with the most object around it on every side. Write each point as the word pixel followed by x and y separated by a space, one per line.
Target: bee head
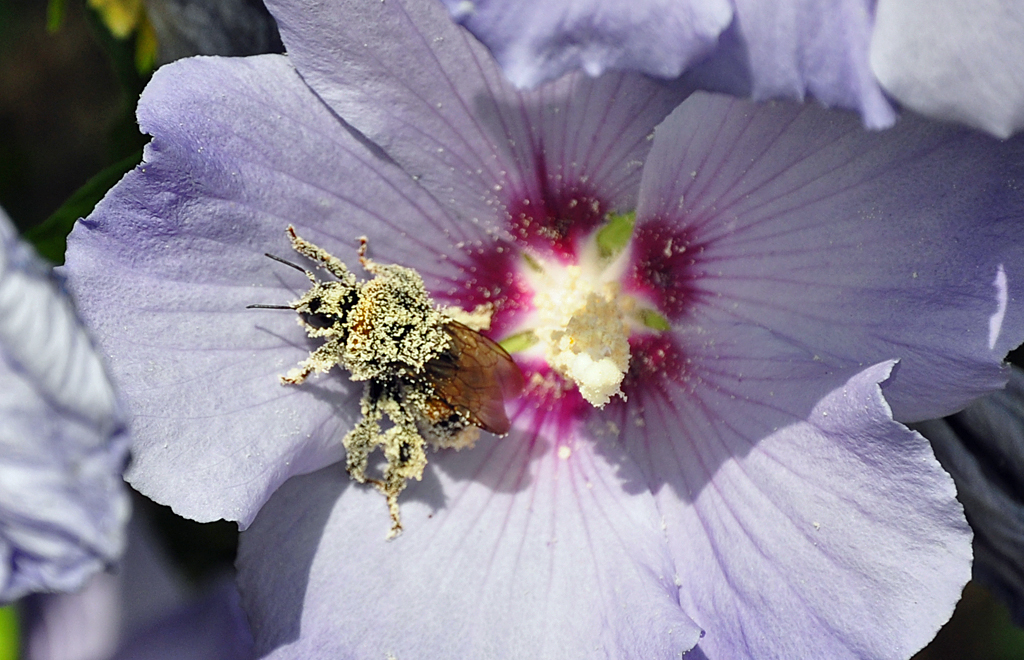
pixel 326 305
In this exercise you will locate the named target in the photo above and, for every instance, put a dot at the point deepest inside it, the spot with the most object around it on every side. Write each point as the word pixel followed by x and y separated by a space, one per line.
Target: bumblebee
pixel 437 380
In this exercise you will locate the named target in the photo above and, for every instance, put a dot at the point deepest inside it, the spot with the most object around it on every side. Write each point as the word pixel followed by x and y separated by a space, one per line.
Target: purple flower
pixel 951 60
pixel 211 27
pixel 794 288
pixel 145 610
pixel 63 505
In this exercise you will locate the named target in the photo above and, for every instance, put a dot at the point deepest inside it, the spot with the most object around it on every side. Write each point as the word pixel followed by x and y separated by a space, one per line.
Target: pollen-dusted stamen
pixel 581 318
pixel 584 331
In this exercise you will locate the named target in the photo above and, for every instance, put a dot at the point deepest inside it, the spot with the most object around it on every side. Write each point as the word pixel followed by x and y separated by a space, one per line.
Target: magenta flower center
pixel 583 301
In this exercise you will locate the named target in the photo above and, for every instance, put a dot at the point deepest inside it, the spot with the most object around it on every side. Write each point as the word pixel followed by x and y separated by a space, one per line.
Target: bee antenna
pixel 286 263
pixel 268 307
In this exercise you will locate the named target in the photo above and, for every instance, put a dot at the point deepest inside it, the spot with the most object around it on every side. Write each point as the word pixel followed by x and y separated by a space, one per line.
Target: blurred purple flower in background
pixel 953 60
pixel 143 610
pixel 211 27
pixel 950 59
pixel 794 289
pixel 63 505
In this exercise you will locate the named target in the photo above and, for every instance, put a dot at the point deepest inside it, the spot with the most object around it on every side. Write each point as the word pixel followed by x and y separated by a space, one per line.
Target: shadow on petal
pixel 313 496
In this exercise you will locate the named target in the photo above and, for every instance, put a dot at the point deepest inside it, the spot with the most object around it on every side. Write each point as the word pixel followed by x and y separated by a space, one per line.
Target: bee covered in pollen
pixel 436 379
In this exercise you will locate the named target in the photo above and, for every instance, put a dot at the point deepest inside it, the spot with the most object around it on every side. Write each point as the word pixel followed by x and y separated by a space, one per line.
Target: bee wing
pixel 478 378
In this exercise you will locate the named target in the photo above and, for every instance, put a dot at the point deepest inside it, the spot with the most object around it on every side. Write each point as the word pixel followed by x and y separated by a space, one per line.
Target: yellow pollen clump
pixel 584 331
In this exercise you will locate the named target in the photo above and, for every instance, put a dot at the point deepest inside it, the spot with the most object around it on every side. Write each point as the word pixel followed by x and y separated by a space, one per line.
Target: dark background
pixel 64 113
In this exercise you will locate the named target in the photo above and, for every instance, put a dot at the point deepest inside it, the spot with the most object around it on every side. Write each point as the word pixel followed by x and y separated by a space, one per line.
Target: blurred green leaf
pixel 9 633
pixel 54 15
pixel 122 56
pixel 146 48
pixel 50 238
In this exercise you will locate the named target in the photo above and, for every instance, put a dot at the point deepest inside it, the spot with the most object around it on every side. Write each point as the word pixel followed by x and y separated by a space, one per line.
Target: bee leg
pixel 298 375
pixel 396 519
pixel 393 509
pixel 334 265
pixel 368 264
pixel 321 360
pixel 405 451
pixel 363 439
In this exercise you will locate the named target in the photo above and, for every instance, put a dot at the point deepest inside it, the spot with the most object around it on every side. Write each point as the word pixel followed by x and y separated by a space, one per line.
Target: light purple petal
pixel 433 98
pixel 541 40
pixel 817 47
pixel 63 505
pixel 768 50
pixel 791 248
pixel 954 60
pixel 72 626
pixel 983 448
pixel 167 263
pixel 858 247
pixel 525 547
pixel 801 527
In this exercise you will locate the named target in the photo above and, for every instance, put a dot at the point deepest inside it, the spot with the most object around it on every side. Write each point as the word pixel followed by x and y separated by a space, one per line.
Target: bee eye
pixel 319 321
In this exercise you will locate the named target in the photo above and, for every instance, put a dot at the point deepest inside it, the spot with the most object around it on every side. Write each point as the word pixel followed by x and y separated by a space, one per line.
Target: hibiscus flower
pixel 789 289
pixel 63 505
